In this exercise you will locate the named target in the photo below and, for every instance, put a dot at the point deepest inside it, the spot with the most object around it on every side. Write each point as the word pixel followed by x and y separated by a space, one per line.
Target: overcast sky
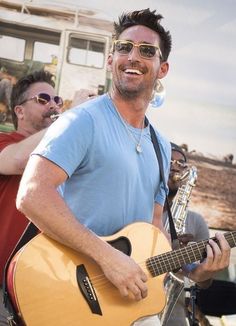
pixel 200 104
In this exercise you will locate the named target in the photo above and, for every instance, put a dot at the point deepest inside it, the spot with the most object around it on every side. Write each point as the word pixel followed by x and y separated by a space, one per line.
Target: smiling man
pixel 104 156
pixel 33 104
pixel 33 101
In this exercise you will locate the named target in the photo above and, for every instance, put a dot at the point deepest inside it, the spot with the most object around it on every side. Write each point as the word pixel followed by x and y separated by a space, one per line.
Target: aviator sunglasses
pixel 146 51
pixel 44 98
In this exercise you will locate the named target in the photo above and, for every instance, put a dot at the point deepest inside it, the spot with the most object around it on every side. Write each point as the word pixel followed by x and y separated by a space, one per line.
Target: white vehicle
pixel 72 43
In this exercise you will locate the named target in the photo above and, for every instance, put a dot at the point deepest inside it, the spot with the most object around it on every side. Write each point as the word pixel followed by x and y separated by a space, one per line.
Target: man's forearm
pixel 14 157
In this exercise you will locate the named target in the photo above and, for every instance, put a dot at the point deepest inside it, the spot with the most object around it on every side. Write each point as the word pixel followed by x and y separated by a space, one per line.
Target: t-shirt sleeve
pixel 67 141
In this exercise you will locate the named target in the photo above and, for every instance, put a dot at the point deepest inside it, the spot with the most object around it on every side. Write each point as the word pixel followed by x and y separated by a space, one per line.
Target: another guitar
pixel 56 286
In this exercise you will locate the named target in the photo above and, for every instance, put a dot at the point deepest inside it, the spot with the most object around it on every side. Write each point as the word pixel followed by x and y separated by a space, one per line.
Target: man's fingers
pixel 218 254
pixel 137 288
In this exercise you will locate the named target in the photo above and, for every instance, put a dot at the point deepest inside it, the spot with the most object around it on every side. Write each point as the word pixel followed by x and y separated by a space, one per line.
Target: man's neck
pixel 24 131
pixel 132 110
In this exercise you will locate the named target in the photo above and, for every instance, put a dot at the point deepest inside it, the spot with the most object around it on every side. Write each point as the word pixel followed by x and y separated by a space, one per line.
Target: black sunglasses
pixel 44 98
pixel 146 51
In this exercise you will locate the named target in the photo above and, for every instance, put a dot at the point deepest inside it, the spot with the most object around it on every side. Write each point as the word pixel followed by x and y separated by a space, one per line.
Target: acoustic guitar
pixel 53 285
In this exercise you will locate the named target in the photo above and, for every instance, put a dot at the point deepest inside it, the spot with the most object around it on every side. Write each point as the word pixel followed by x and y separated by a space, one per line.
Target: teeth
pixel 54 117
pixel 133 71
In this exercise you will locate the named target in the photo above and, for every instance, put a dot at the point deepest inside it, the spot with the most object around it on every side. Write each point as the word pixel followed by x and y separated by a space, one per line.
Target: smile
pixel 133 71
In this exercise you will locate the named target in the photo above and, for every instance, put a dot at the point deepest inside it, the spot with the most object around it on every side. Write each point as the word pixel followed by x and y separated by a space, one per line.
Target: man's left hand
pixel 218 258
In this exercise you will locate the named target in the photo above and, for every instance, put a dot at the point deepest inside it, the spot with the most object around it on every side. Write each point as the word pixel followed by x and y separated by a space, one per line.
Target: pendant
pixel 139 148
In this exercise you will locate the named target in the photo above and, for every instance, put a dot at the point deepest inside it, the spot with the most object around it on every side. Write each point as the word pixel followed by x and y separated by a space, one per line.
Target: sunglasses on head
pixel 44 98
pixel 146 51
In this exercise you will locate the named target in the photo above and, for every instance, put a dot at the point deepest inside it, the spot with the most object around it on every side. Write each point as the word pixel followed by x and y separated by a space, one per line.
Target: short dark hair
pixel 149 19
pixel 20 89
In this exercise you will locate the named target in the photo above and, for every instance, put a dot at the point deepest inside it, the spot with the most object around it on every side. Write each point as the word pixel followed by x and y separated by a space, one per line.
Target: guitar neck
pixel 175 259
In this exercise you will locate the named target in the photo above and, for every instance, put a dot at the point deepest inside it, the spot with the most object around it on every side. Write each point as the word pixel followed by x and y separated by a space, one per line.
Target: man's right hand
pixel 125 274
pixel 82 95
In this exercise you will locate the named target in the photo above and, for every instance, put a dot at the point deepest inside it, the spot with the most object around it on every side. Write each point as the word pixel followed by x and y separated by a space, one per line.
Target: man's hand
pixel 125 274
pixel 82 95
pixel 218 257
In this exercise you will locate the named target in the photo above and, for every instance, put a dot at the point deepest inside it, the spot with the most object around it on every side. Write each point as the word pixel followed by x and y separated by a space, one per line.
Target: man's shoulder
pixel 92 108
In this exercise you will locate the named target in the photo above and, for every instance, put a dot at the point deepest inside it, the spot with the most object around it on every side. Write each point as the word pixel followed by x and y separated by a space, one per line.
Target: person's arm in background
pixel 81 96
pixel 13 158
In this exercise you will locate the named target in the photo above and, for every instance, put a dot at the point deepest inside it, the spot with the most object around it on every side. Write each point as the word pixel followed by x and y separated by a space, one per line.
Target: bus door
pixel 83 63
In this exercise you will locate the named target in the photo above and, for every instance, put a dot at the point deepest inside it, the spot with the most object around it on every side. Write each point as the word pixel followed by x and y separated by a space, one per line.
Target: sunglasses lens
pixel 147 51
pixel 58 100
pixel 123 47
pixel 43 98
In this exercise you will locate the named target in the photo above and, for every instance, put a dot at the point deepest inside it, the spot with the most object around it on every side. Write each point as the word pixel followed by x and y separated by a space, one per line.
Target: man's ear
pixel 19 111
pixel 164 68
pixel 109 61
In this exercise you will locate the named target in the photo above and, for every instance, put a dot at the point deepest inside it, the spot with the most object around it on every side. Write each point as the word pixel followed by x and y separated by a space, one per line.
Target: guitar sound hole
pixel 123 244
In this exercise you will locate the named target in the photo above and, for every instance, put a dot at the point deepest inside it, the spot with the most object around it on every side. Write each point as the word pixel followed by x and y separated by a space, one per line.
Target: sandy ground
pixel 214 196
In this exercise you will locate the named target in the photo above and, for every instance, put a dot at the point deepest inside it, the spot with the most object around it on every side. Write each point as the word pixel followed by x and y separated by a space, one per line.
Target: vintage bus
pixel 71 42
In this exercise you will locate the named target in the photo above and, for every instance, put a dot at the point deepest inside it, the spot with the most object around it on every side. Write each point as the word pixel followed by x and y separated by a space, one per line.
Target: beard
pixel 131 89
pixel 129 93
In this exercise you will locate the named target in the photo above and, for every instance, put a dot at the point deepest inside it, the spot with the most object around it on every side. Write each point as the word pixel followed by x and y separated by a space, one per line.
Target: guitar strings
pixel 101 279
pixel 162 264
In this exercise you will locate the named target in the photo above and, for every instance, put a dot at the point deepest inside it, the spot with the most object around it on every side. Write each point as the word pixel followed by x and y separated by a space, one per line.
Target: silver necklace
pixel 138 146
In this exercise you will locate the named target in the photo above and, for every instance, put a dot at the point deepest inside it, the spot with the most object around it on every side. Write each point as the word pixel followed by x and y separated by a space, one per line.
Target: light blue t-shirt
pixel 109 184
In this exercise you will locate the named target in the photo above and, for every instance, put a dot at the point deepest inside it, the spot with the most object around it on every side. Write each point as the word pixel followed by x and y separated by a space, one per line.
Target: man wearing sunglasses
pixel 33 102
pixel 104 157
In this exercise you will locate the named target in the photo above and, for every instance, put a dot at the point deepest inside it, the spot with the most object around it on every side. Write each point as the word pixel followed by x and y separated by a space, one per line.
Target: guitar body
pixel 46 279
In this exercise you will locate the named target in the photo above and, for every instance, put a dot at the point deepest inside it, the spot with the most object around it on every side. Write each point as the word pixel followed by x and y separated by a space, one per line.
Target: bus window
pixel 45 52
pixel 86 52
pixel 12 48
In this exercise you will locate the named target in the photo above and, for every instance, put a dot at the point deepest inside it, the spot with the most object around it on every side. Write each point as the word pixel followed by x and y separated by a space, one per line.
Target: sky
pixel 200 103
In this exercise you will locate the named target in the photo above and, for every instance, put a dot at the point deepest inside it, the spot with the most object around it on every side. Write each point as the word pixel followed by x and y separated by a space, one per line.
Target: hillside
pixel 214 196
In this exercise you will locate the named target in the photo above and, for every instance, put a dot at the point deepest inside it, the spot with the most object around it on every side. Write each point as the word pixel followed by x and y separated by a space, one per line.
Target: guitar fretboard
pixel 173 260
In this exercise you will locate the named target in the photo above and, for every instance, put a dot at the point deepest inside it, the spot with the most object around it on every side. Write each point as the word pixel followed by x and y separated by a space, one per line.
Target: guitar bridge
pixel 87 289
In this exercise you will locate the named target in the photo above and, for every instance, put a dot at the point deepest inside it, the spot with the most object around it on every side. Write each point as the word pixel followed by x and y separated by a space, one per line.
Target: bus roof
pixel 55 16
